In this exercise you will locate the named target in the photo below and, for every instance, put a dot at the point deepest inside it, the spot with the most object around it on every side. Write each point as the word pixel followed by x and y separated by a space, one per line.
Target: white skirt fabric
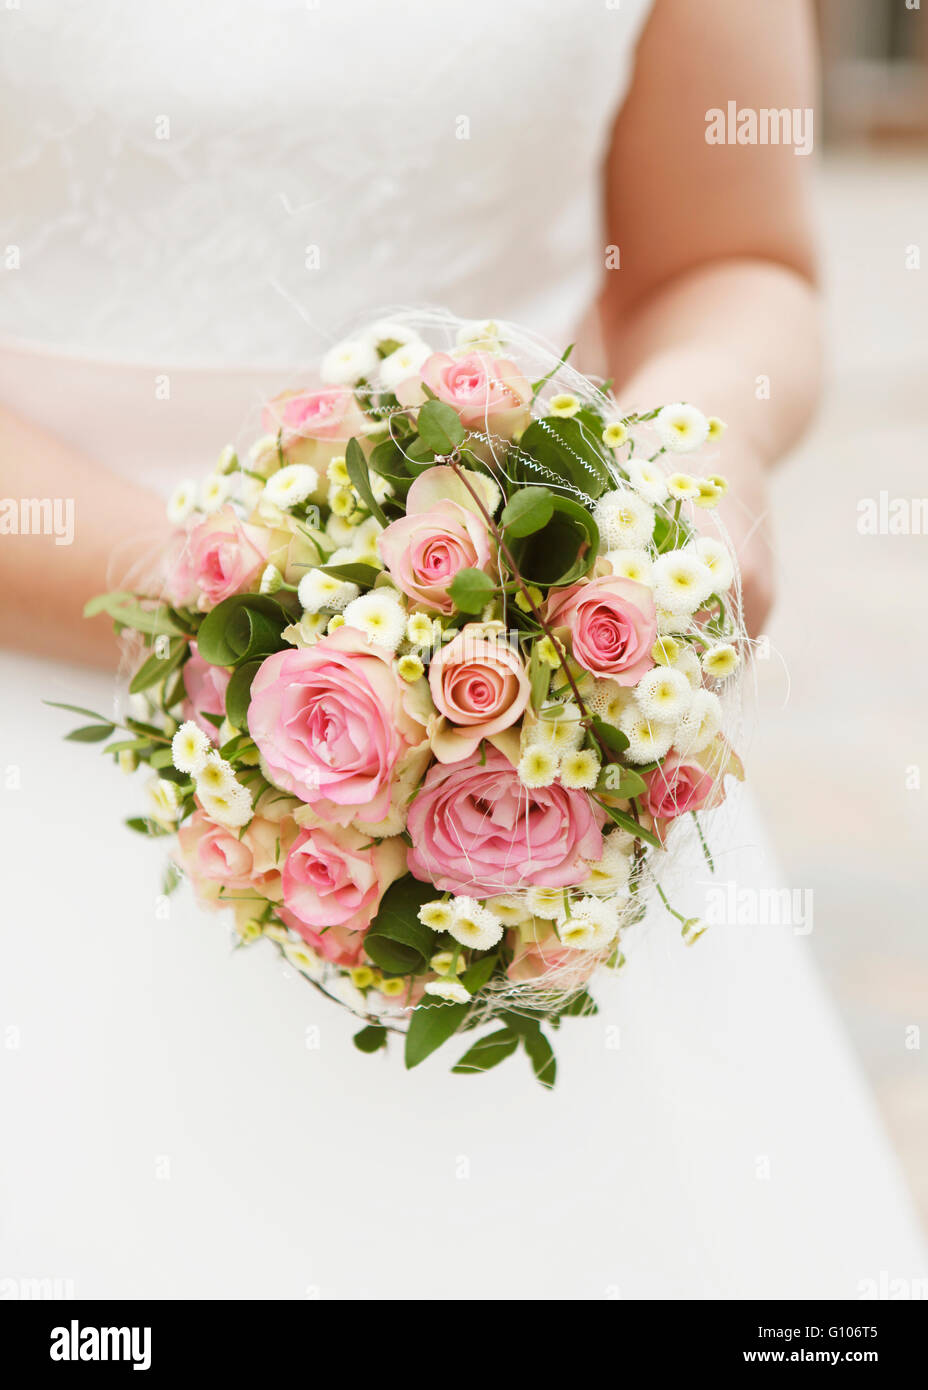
pixel 189 1121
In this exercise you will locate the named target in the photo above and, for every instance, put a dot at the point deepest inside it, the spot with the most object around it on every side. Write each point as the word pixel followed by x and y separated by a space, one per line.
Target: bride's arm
pixel 45 585
pixel 714 299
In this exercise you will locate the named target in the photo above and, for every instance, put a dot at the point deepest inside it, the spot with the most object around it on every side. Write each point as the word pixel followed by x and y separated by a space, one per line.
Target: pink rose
pixel 216 857
pixel 476 829
pixel 335 877
pixel 676 787
pixel 206 691
pixel 484 390
pixel 331 413
pixel 332 722
pixel 219 557
pixel 613 625
pixel 438 536
pixel 480 686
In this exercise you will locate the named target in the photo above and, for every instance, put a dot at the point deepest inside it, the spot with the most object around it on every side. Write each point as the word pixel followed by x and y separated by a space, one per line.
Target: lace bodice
pixel 229 183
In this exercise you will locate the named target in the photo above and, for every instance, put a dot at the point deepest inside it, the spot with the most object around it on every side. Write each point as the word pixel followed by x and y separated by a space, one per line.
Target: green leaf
pixel 621 782
pixel 487 1052
pixel 241 628
pixel 362 575
pixel 476 975
pixel 127 745
pixel 78 709
pixel 567 449
pixel 91 733
pixel 418 458
pixel 539 678
pixel 471 590
pixel 583 1005
pixel 429 1027
pixel 356 464
pixel 238 693
pixel 626 822
pixel 396 940
pixel 563 550
pixel 171 880
pixel 542 380
pixel 541 1056
pixel 439 427
pixel 370 1039
pixel 158 668
pixel 528 510
pixel 126 609
pixel 613 738
pixel 143 826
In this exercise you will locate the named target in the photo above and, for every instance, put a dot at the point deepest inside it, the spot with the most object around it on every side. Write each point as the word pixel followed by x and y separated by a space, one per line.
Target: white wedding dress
pixel 205 196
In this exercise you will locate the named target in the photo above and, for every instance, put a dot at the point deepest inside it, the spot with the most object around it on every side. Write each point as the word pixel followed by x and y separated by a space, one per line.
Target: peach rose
pixel 206 691
pixel 612 623
pixel 441 533
pixel 216 857
pixel 479 686
pixel 487 392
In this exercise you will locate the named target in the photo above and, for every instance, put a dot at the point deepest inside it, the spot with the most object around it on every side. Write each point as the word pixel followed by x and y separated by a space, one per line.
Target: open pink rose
pixel 219 557
pixel 335 877
pixel 477 830
pixel 487 392
pixel 206 691
pixel 676 787
pixel 331 413
pixel 332 722
pixel 480 686
pixel 613 625
pixel 438 536
pixel 216 857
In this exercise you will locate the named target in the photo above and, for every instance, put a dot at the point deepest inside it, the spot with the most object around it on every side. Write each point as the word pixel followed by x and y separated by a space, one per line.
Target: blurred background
pixel 842 696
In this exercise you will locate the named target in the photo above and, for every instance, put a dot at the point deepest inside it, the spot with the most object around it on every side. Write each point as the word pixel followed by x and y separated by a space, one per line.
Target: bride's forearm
pixel 740 339
pixel 68 530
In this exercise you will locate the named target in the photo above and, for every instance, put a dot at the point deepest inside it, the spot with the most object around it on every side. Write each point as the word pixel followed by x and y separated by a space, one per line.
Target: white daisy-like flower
pixel 474 925
pixel 716 556
pixel 683 487
pixel 232 808
pixel 227 461
pixel 319 590
pixel 189 748
pixel 709 495
pixel 630 564
pixel 648 739
pixel 682 581
pixel 214 492
pixel 381 617
pixel 250 491
pixel 347 362
pixel 389 333
pixel 264 455
pixel 423 631
pixel 409 667
pixel 336 471
pixel 480 333
pixel 720 661
pixel 307 631
pixel 163 801
pixel 451 990
pixel 717 428
pixel 579 770
pixel 663 694
pixel 647 479
pixel 392 987
pixel 547 903
pixel 625 520
pixel 336 621
pixel 305 959
pixel 291 485
pixel 615 434
pixel 362 976
pixel 591 924
pixel 681 427
pixel 564 405
pixel 720 481
pixel 538 766
pixel 364 543
pixel 672 624
pixel 609 875
pixel 215 775
pixel 444 961
pixel 558 728
pixel 701 724
pixel 182 502
pixel 688 662
pixel 608 699
pixel 665 651
pixel 271 580
pixel 380 488
pixel 343 501
pixel 511 908
pixel 403 363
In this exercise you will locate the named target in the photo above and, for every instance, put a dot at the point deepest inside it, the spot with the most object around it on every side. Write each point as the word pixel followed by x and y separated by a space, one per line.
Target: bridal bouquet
pixel 430 677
